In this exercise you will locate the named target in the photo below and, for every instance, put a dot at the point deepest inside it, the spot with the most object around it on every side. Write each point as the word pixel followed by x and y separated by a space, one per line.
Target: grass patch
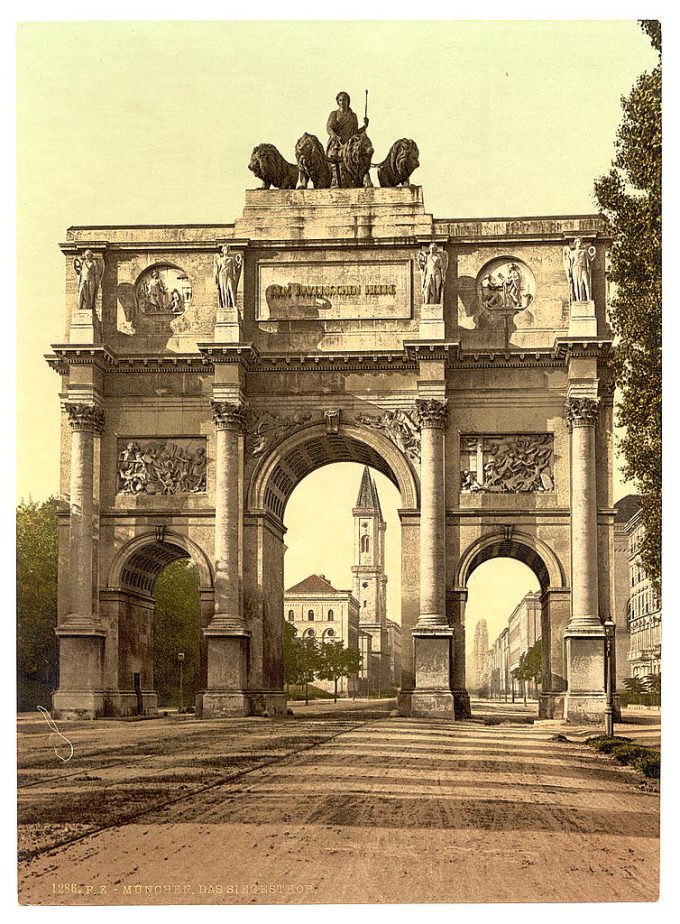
pixel 646 760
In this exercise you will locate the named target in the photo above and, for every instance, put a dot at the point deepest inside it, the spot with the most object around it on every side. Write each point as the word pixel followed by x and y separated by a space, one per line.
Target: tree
pixel 176 627
pixel 336 661
pixel 308 663
pixel 634 685
pixel 630 198
pixel 652 685
pixel 36 602
pixel 291 649
pixel 530 667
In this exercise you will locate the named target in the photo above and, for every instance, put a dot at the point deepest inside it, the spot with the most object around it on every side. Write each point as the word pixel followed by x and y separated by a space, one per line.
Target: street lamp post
pixel 180 659
pixel 609 630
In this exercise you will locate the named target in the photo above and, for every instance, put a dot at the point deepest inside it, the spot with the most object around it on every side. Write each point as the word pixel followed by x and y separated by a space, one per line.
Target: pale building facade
pixel 318 611
pixel 644 612
pixel 498 665
pixel 393 653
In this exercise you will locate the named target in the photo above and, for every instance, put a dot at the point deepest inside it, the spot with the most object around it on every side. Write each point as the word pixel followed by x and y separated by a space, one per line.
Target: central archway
pixel 554 600
pixel 270 485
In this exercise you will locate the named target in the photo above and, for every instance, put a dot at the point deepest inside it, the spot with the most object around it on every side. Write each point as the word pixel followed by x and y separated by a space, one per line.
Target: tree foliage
pixel 530 665
pixel 338 661
pixel 630 198
pixel 36 602
pixel 177 626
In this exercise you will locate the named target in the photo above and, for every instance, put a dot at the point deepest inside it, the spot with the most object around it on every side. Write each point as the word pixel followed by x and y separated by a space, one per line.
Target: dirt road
pixel 330 806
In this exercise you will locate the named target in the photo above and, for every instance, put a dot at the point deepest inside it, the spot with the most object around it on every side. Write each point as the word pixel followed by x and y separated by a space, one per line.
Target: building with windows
pixel 499 674
pixel 356 617
pixel 317 610
pixel 521 633
pixel 638 608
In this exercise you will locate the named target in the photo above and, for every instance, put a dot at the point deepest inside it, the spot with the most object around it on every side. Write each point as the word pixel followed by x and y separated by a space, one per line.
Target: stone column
pixel 584 635
pixel 81 636
pixel 226 634
pixel 433 637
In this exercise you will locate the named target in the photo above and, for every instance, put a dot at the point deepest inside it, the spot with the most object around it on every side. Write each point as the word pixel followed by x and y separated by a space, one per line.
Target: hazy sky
pixel 124 123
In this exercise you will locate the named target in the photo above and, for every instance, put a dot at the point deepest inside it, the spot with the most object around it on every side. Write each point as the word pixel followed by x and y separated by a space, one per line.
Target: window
pixel 329 633
pixel 365 543
pixel 291 615
pixel 310 615
pixel 331 617
pixel 309 633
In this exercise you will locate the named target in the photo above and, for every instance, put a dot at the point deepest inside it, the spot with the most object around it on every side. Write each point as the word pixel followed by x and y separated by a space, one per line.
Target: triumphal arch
pixel 207 369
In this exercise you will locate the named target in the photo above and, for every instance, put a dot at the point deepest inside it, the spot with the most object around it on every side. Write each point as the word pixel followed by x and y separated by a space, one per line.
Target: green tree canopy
pixel 36 602
pixel 630 198
pixel 336 661
pixel 176 627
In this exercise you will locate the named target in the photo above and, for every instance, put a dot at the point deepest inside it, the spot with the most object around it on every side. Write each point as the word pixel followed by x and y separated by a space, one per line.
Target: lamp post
pixel 180 659
pixel 609 630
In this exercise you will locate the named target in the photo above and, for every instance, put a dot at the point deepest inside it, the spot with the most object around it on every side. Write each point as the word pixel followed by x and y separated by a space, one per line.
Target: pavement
pixel 339 803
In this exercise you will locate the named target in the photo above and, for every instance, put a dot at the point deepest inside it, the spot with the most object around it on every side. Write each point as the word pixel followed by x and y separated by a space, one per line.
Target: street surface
pixel 340 803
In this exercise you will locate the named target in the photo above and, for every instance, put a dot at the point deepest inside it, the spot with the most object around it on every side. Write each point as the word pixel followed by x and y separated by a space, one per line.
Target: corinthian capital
pixel 432 412
pixel 85 417
pixel 228 416
pixel 581 412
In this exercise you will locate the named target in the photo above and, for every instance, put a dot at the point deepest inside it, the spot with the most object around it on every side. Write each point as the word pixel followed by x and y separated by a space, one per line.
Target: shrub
pixel 606 745
pixel 649 763
pixel 626 753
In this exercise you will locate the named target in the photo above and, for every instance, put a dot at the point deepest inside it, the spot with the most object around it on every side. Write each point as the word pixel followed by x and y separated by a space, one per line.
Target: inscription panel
pixel 302 291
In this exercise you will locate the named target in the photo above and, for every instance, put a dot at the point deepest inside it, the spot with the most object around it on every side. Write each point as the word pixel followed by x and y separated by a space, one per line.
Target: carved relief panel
pixel 507 464
pixel 162 466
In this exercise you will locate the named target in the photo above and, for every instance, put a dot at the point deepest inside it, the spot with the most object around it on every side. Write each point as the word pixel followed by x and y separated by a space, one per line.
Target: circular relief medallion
pixel 506 284
pixel 163 290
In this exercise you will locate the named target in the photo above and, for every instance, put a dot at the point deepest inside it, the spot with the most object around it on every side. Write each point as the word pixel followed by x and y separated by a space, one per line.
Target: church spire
pixel 368 493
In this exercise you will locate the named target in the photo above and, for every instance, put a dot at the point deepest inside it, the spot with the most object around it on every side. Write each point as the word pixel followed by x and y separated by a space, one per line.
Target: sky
pixel 149 122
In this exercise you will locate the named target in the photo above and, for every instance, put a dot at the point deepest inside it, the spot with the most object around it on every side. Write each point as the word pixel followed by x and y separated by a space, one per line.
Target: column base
pixel 551 705
pixel 222 704
pixel 77 704
pixel 432 704
pixel 584 708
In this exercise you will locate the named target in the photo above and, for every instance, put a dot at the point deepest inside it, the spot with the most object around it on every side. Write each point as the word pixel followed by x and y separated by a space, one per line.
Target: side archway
pixel 555 603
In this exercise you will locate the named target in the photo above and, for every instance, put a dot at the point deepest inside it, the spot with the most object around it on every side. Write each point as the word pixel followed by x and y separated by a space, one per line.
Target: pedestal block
pixel 433 696
pixel 80 694
pixel 586 697
pixel 225 693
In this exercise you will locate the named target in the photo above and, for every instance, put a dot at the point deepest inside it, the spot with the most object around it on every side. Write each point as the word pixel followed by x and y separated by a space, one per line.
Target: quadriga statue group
pixel 345 163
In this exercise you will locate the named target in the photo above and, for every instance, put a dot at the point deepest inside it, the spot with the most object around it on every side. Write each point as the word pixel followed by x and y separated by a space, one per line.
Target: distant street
pixel 336 804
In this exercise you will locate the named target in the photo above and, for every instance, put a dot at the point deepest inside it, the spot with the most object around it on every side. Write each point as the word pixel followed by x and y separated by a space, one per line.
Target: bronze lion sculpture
pixel 399 164
pixel 269 166
pixel 354 163
pixel 312 163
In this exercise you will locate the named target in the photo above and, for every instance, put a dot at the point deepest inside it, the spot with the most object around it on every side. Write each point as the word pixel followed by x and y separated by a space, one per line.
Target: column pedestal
pixel 586 698
pixel 433 697
pixel 226 693
pixel 80 694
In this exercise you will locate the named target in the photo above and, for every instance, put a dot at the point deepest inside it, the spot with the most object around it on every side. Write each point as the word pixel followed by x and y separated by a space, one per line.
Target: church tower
pixel 369 582
pixel 369 585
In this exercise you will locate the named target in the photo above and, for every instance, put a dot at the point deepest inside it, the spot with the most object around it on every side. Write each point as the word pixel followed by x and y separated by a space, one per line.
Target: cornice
pixel 66 355
pixel 594 348
pixel 242 354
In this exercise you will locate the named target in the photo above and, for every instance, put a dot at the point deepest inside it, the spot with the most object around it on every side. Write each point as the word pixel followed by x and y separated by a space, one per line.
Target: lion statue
pixel 399 164
pixel 269 166
pixel 355 162
pixel 312 163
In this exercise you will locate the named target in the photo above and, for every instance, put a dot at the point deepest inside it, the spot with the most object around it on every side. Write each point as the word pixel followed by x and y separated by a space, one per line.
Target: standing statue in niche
pixel 577 267
pixel 226 273
pixel 433 266
pixel 157 295
pixel 89 275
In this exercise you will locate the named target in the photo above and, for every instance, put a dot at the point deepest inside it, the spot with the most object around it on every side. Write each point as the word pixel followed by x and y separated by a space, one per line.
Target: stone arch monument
pixel 451 355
